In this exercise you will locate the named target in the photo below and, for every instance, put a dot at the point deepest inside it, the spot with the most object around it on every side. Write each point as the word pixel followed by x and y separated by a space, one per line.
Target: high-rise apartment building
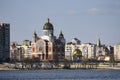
pixel 4 41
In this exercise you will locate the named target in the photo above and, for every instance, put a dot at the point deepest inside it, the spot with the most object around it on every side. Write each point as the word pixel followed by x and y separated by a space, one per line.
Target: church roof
pixel 61 35
pixel 48 26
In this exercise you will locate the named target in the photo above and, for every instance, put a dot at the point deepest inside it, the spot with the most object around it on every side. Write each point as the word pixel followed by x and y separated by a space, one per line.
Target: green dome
pixel 48 26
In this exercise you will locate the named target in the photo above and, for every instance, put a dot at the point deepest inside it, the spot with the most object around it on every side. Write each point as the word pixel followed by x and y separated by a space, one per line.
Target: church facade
pixel 48 47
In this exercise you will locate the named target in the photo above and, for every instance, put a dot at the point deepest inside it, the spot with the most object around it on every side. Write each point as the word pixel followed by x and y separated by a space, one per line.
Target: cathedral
pixel 48 47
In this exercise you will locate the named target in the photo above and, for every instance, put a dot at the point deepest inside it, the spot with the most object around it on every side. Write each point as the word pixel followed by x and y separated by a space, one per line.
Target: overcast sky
pixel 84 19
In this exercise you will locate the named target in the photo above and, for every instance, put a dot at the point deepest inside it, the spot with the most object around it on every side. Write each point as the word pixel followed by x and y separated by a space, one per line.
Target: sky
pixel 86 20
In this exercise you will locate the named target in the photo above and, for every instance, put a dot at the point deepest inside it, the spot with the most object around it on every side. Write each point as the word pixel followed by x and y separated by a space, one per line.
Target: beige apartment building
pixel 117 52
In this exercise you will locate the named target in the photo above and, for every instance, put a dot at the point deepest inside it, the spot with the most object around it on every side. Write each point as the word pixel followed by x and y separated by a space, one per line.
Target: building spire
pixel 48 20
pixel 99 42
pixel 35 36
pixel 61 34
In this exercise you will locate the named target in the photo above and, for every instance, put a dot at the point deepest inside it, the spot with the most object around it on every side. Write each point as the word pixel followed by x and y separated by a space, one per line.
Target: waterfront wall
pixel 8 66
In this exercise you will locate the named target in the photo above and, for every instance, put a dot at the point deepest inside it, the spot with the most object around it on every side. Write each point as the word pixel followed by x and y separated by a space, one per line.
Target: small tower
pixel 98 42
pixel 35 36
pixel 61 37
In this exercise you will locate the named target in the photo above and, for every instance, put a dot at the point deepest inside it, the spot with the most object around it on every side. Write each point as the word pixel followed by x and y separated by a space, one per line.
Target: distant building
pixel 75 41
pixel 103 52
pixel 71 47
pixel 117 52
pixel 20 52
pixel 48 47
pixel 16 52
pixel 87 50
pixel 27 49
pixel 4 41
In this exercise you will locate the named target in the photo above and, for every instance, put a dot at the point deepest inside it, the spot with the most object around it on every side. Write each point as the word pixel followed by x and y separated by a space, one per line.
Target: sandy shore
pixel 4 67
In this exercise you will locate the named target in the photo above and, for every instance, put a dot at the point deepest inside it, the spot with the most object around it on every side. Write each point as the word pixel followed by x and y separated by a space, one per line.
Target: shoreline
pixel 5 67
pixel 113 68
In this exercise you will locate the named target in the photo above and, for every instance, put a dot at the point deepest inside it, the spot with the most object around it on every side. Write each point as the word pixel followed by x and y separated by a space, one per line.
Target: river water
pixel 60 74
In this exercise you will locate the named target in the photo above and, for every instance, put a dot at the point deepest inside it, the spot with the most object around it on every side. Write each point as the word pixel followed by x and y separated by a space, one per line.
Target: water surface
pixel 60 74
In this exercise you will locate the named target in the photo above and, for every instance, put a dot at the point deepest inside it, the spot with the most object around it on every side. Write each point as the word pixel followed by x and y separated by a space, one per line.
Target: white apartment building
pixel 117 52
pixel 87 49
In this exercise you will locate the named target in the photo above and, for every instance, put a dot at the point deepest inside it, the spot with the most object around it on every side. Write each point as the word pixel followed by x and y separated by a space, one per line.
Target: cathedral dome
pixel 48 26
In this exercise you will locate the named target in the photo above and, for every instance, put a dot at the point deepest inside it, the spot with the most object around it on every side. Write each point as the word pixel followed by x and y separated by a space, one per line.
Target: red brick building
pixel 48 47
